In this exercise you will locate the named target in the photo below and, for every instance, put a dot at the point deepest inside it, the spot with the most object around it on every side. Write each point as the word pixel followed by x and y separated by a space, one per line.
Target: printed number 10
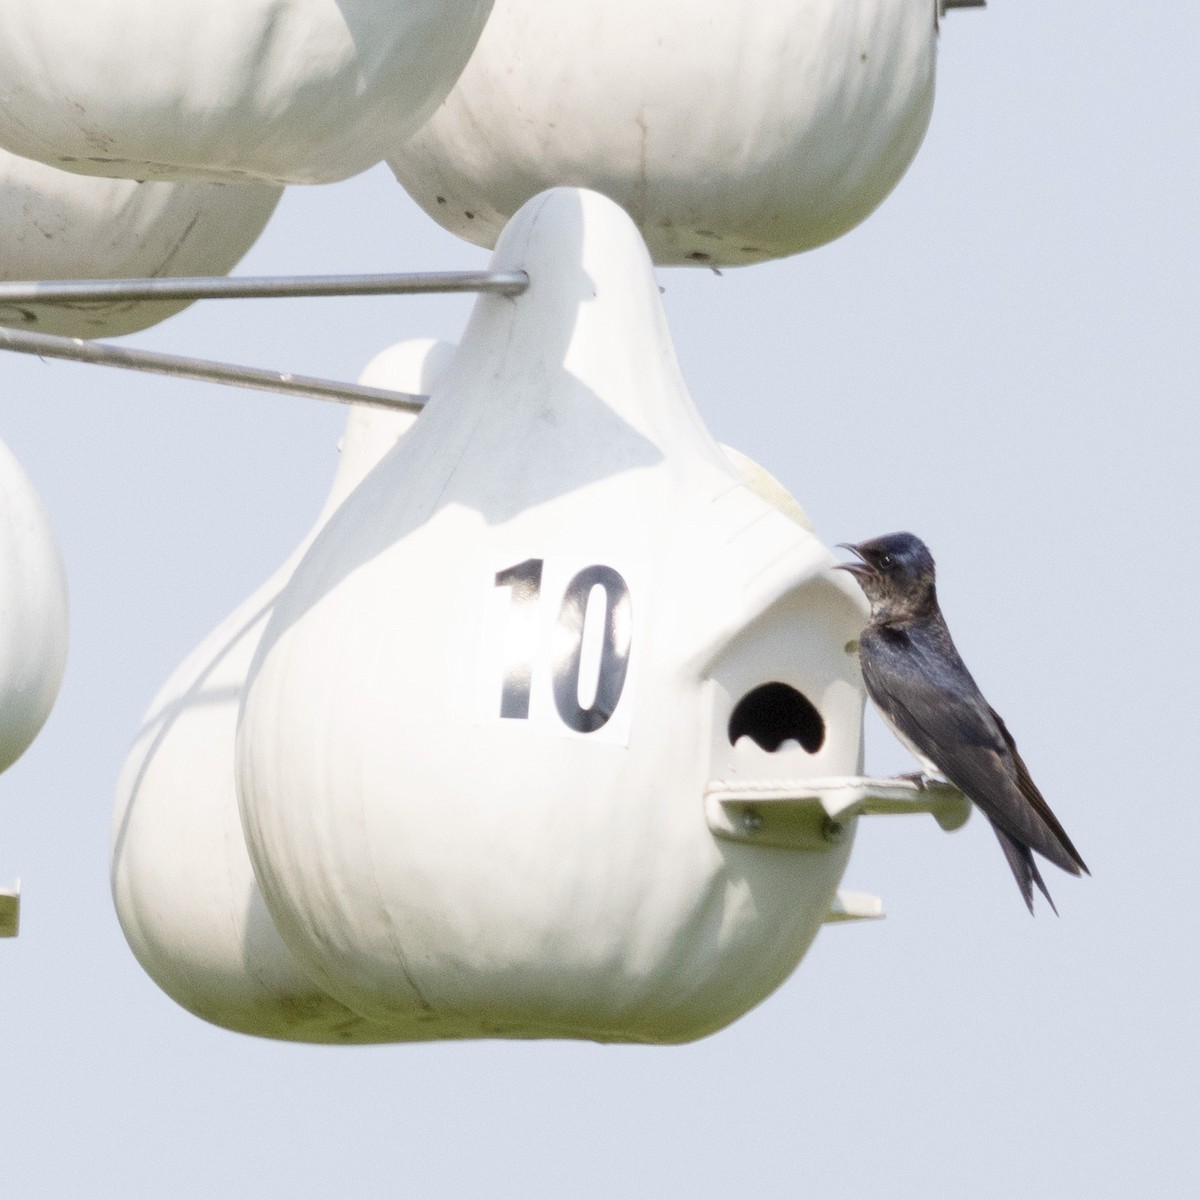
pixel 575 632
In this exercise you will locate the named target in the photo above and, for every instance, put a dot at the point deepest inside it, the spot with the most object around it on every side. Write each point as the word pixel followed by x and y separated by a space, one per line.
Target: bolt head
pixel 834 832
pixel 752 820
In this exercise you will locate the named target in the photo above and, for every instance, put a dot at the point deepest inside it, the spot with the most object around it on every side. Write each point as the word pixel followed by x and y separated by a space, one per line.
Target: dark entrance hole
pixel 773 713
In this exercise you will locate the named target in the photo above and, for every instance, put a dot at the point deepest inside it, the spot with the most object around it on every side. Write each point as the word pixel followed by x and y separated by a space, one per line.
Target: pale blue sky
pixel 1004 359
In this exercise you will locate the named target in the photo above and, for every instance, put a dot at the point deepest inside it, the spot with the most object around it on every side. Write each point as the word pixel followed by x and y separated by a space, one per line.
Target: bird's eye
pixel 885 560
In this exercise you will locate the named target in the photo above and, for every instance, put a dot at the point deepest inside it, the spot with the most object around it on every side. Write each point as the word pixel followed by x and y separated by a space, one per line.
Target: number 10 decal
pixel 591 644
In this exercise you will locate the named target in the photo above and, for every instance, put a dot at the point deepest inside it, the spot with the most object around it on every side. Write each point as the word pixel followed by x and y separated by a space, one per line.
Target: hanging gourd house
pixel 33 629
pixel 554 730
pixel 278 91
pixel 182 881
pixel 731 133
pixel 58 225
pixel 34 626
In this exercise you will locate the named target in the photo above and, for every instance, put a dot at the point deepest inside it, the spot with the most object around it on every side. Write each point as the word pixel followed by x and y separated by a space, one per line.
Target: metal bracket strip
pixel 813 814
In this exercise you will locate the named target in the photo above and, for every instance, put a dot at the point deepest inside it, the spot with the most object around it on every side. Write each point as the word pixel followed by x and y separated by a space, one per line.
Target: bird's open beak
pixel 858 569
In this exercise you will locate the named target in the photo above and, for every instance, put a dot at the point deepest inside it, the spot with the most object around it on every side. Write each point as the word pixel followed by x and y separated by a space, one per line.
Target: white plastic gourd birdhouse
pixel 283 91
pixel 182 882
pixel 33 612
pixel 56 225
pixel 481 732
pixel 731 133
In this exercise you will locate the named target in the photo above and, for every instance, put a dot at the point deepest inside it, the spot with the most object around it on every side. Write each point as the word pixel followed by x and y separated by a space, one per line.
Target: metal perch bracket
pixel 812 814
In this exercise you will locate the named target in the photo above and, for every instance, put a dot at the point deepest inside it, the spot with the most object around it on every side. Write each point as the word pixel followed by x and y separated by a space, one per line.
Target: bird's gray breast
pixel 904 680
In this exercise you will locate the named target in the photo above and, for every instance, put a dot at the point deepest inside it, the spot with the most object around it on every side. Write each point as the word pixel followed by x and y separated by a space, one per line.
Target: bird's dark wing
pixel 1033 794
pixel 923 688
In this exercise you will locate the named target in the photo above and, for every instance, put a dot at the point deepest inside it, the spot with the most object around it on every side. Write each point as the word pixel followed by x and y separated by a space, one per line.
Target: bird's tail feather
pixel 1046 831
pixel 1024 869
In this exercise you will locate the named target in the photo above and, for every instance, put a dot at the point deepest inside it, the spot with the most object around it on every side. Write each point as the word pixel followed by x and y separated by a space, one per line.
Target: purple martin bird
pixel 925 693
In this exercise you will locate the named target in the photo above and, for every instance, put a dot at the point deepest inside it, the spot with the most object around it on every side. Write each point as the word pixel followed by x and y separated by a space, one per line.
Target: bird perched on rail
pixel 926 694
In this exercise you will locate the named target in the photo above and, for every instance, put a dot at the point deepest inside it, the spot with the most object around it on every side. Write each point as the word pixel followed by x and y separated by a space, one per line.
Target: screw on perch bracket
pixel 751 820
pixel 834 832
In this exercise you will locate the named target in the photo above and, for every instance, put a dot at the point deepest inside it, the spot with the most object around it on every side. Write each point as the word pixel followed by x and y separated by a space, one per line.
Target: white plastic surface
pixel 854 906
pixel 731 133
pixel 182 881
pixel 34 627
pixel 56 225
pixel 476 809
pixel 284 91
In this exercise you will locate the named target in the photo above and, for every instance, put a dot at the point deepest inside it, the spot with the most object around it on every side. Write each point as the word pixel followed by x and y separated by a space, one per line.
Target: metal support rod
pixel 218 287
pixel 49 345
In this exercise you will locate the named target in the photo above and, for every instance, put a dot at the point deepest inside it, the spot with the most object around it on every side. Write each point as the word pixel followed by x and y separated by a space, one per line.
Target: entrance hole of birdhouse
pixel 775 713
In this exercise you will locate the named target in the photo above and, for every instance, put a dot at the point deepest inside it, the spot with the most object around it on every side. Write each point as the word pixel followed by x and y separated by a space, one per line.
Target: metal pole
pixel 99 291
pixel 48 345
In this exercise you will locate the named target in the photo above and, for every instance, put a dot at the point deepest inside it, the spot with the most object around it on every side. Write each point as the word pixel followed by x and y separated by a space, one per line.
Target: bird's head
pixel 895 571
